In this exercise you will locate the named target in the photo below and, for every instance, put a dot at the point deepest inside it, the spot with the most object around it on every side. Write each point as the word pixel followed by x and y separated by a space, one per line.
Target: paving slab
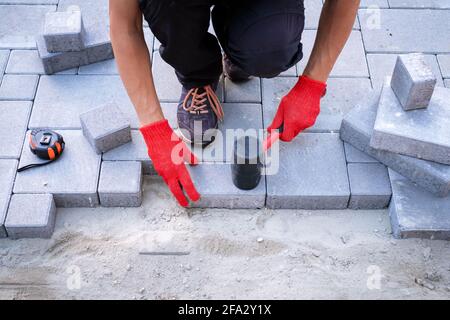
pixel 60 100
pixel 313 8
pixel 405 30
pixel 444 63
pixel 357 129
pixel 14 116
pixel 422 4
pixel 8 168
pixel 214 183
pixel 382 66
pixel 312 174
pixel 20 25
pixel 338 101
pixel 413 81
pixel 417 213
pixel 106 127
pixel 4 55
pixel 120 184
pixel 18 87
pixel 374 3
pixel 352 61
pixel 354 155
pixel 243 92
pixel 72 179
pixel 28 62
pixel 447 83
pixel 422 133
pixel 369 186
pixel 31 216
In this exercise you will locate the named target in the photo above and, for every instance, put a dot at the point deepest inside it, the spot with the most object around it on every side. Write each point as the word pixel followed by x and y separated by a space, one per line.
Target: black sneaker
pixel 233 72
pixel 199 112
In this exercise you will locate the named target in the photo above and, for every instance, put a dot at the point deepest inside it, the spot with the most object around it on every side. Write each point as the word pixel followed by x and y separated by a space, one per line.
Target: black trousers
pixel 262 37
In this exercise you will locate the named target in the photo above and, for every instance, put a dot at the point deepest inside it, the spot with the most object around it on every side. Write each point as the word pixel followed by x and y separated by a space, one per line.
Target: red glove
pixel 299 109
pixel 168 154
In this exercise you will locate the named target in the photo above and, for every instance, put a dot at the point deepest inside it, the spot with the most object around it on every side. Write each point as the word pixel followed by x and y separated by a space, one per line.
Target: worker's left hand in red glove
pixel 299 109
pixel 169 154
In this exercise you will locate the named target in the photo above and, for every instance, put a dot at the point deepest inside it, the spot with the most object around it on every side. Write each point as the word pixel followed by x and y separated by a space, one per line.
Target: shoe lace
pixel 198 102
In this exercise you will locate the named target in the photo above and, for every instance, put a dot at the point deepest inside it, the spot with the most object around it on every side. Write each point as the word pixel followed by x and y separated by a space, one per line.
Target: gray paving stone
pixel 382 66
pixel 108 67
pixel 18 87
pixel 76 95
pixel 352 61
pixel 444 63
pixel 416 213
pixel 28 62
pixel 14 116
pixel 120 184
pixel 313 8
pixel 422 133
pixel 106 127
pixel 64 30
pixel 405 30
pixel 4 55
pixel 413 81
pixel 312 174
pixel 32 2
pixel 447 83
pixel 354 155
pixel 214 183
pixel 243 92
pixel 338 101
pixel 369 186
pixel 373 3
pixel 20 25
pixel 31 216
pixel 8 168
pixel 357 129
pixel 427 4
pixel 72 179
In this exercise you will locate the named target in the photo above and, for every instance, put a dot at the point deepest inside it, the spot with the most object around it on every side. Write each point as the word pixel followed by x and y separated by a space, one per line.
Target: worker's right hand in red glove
pixel 299 109
pixel 168 154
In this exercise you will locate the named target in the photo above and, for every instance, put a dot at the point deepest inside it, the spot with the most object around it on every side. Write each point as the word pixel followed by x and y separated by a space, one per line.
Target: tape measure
pixel 46 145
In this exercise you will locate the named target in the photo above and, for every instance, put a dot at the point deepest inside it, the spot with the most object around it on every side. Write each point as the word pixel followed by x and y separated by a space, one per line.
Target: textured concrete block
pixel 31 216
pixel 444 63
pixel 72 179
pixel 8 170
pixel 413 81
pixel 98 45
pixel 14 116
pixel 369 186
pixel 106 127
pixel 357 129
pixel 423 133
pixel 4 55
pixel 416 213
pixel 120 184
pixel 214 183
pixel 354 155
pixel 28 62
pixel 420 4
pixel 64 31
pixel 312 174
pixel 18 87
pixel 244 92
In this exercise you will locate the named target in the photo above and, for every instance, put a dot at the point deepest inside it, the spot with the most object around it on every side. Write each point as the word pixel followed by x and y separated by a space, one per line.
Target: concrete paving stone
pixel 423 4
pixel 136 150
pixel 405 30
pixel 94 13
pixel 28 62
pixel 31 216
pixel 64 30
pixel 413 81
pixel 338 101
pixel 313 8
pixel 357 129
pixel 312 174
pixel 214 183
pixel 108 67
pixel 351 63
pixel 444 63
pixel 61 99
pixel 422 133
pixel 120 184
pixel 20 25
pixel 8 168
pixel 416 213
pixel 447 83
pixel 369 186
pixel 244 92
pixel 106 127
pixel 374 3
pixel 72 179
pixel 354 155
pixel 382 66
pixel 14 116
pixel 18 87
pixel 4 55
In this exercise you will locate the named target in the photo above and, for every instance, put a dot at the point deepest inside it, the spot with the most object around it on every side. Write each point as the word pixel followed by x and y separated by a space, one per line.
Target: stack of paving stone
pixel 407 128
pixel 66 44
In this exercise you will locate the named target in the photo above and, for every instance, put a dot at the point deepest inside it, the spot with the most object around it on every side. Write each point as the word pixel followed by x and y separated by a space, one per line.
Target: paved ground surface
pixel 232 254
